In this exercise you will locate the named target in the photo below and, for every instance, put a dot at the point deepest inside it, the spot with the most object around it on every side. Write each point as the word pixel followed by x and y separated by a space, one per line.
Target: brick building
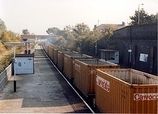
pixel 138 47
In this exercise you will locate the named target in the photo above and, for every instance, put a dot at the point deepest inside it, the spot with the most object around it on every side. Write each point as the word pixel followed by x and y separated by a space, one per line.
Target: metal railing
pixel 5 75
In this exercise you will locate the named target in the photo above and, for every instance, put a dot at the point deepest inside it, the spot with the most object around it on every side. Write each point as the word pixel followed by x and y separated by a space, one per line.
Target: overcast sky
pixel 38 15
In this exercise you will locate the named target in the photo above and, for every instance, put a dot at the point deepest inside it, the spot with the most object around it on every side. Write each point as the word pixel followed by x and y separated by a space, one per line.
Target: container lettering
pixel 101 82
pixel 145 96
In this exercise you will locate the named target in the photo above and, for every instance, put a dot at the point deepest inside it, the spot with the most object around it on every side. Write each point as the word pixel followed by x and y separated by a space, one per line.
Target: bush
pixel 5 61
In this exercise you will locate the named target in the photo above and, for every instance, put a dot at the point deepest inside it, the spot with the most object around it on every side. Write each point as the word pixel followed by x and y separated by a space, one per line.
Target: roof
pixel 107 26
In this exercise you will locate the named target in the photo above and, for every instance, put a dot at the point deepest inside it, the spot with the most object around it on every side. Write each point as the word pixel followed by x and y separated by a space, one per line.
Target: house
pixel 107 27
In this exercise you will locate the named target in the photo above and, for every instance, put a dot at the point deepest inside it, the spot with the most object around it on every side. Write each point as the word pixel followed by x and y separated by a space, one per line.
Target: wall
pixel 142 40
pixel 144 32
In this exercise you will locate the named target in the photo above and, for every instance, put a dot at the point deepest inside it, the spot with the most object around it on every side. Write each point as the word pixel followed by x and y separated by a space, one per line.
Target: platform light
pixel 14 44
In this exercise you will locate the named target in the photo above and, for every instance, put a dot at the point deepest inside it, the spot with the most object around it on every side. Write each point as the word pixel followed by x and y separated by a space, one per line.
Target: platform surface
pixel 45 91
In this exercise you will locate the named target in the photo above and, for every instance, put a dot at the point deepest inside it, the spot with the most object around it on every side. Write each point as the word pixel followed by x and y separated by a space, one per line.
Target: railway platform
pixel 45 91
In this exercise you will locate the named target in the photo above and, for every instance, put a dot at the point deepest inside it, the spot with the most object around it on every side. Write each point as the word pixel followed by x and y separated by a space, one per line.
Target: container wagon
pixel 68 64
pixel 46 48
pixel 60 63
pixel 55 56
pixel 51 52
pixel 85 71
pixel 126 91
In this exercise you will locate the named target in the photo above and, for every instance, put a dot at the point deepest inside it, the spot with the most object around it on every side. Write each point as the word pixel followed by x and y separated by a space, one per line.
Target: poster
pixel 143 57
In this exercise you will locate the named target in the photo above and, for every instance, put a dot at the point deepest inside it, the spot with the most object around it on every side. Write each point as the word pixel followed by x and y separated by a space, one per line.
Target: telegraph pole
pixel 139 13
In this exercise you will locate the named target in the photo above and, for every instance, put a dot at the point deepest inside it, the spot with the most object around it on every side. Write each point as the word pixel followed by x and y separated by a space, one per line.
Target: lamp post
pixel 96 48
pixel 139 13
pixel 130 56
pixel 14 44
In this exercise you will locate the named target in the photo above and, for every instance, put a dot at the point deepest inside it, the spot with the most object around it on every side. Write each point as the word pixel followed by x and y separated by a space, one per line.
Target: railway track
pixel 74 89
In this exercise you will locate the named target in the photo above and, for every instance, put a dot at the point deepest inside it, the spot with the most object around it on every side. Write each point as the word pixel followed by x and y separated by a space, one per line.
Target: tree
pixel 25 32
pixel 68 32
pixel 81 29
pixel 80 38
pixel 2 25
pixel 53 31
pixel 2 48
pixel 5 37
pixel 143 17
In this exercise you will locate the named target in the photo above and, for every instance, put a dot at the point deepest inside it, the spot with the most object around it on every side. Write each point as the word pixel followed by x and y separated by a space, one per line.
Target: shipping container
pixel 55 56
pixel 85 71
pixel 126 91
pixel 46 48
pixel 68 63
pixel 60 63
pixel 51 52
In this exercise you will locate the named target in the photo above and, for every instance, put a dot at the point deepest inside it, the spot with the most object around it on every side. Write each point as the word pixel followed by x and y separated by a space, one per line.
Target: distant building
pixel 106 27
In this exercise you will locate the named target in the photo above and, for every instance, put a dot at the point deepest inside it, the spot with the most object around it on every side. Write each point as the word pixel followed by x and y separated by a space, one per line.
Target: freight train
pixel 109 88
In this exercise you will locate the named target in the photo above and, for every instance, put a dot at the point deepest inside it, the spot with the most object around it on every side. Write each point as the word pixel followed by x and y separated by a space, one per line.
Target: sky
pixel 39 15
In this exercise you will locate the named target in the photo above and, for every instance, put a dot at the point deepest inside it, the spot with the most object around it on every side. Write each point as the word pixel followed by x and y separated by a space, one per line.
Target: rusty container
pixel 85 71
pixel 51 53
pixel 126 91
pixel 55 56
pixel 68 63
pixel 46 48
pixel 60 63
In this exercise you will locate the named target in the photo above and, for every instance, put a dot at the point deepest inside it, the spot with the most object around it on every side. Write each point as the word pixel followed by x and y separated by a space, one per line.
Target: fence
pixel 5 75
